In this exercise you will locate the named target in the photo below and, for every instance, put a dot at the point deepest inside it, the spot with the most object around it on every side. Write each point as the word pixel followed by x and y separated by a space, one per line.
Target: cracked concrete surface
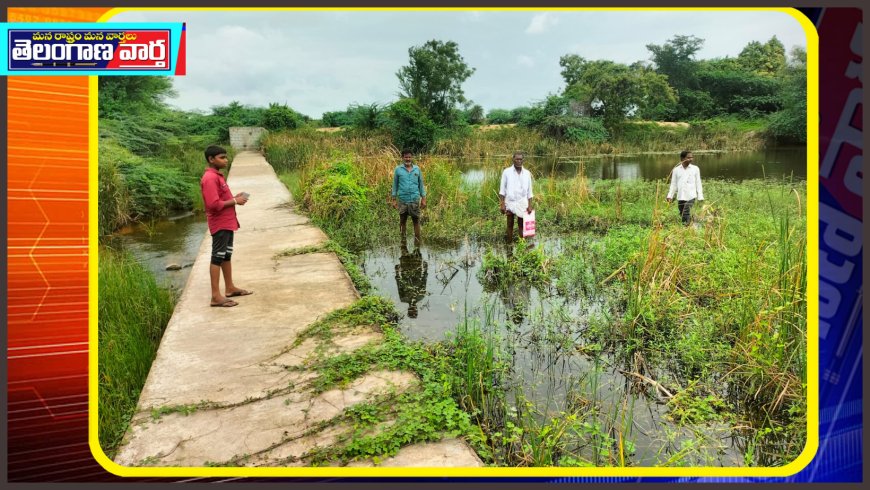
pixel 240 358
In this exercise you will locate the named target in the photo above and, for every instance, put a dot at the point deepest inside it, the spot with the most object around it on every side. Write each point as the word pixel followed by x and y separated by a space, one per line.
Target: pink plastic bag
pixel 529 224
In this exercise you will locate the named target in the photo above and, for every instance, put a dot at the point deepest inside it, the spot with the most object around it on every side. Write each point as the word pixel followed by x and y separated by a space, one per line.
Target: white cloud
pixel 524 60
pixel 542 23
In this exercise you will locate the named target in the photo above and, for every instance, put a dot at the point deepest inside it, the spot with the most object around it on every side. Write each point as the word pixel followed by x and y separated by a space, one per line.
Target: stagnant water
pixel 542 333
pixel 788 162
pixel 436 288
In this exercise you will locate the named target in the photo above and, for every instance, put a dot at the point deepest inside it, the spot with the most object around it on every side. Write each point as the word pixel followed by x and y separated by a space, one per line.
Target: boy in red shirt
pixel 220 211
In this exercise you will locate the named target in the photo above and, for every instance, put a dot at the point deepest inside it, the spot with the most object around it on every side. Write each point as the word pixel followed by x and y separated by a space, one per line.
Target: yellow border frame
pixel 698 471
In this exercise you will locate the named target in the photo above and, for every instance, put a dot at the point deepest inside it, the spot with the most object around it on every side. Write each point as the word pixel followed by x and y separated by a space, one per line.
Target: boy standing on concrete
pixel 220 210
pixel 408 195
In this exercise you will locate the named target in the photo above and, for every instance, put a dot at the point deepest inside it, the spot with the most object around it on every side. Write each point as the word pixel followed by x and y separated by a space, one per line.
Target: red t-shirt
pixel 214 192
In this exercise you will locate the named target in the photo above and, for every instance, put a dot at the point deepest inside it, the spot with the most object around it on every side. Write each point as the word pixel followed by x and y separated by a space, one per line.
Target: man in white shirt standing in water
pixel 686 184
pixel 515 194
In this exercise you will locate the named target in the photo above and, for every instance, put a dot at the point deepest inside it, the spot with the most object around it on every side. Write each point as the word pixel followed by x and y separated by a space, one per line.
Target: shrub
pixel 156 190
pixel 366 116
pixel 335 193
pixel 279 116
pixel 410 126
pixel 499 116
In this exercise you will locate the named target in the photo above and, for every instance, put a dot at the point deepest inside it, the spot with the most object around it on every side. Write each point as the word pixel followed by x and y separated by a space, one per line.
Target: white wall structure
pixel 246 137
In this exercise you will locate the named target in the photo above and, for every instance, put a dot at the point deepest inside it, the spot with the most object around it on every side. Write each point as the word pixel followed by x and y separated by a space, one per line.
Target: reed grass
pixel 133 312
pixel 722 303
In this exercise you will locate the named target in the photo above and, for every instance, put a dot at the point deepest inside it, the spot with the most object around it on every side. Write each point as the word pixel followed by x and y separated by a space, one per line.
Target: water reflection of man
pixel 411 272
pixel 516 297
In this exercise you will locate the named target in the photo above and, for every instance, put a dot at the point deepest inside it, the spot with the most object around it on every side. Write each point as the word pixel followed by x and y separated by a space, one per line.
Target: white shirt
pixel 516 189
pixel 686 183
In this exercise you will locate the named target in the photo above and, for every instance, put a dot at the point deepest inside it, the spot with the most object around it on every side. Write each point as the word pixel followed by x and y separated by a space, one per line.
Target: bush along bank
pixel 135 189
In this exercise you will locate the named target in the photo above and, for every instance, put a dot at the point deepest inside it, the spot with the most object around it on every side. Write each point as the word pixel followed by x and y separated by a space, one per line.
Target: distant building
pixel 246 137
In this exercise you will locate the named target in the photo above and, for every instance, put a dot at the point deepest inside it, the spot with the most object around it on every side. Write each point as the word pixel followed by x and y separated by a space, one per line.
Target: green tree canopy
pixel 474 114
pixel 612 90
pixel 790 123
pixel 127 96
pixel 766 59
pixel 499 116
pixel 433 77
pixel 234 114
pixel 279 116
pixel 410 126
pixel 333 119
pixel 676 60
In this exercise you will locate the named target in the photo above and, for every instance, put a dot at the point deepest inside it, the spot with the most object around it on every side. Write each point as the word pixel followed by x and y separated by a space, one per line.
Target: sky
pixel 318 61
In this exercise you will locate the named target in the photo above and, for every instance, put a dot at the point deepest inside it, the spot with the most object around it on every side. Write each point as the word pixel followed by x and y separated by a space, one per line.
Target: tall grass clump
pixel 772 352
pixel 338 200
pixel 479 368
pixel 113 197
pixel 133 313
pixel 524 264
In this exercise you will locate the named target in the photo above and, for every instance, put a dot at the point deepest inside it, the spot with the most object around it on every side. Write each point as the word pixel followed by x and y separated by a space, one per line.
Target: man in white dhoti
pixel 515 194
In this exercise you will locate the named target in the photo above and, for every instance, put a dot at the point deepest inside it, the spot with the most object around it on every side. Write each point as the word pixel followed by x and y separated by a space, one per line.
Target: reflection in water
pixel 516 297
pixel 411 272
pixel 542 337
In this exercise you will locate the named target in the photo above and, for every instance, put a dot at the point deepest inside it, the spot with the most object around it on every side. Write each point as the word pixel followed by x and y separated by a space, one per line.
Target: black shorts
pixel 221 246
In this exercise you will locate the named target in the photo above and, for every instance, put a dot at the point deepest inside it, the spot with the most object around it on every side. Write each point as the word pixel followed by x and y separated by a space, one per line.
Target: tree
pixel 434 78
pixel 334 119
pixel 475 114
pixel 410 126
pixel 279 116
pixel 572 65
pixel 675 59
pixel 766 59
pixel 236 114
pixel 739 92
pixel 790 123
pixel 499 116
pixel 127 96
pixel 612 90
pixel 366 116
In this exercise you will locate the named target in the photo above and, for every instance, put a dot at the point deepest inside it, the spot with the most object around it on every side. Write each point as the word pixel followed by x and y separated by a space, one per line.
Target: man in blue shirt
pixel 409 195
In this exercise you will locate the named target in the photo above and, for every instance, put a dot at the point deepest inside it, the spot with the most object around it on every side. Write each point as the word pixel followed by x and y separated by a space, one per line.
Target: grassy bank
pixel 133 312
pixel 343 193
pixel 711 319
pixel 133 188
pixel 301 148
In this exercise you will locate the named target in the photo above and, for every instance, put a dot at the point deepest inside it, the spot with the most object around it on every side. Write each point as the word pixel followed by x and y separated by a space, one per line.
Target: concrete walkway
pixel 219 390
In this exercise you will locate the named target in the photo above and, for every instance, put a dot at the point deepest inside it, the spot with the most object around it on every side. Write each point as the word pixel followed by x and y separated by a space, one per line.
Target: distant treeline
pixel 151 154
